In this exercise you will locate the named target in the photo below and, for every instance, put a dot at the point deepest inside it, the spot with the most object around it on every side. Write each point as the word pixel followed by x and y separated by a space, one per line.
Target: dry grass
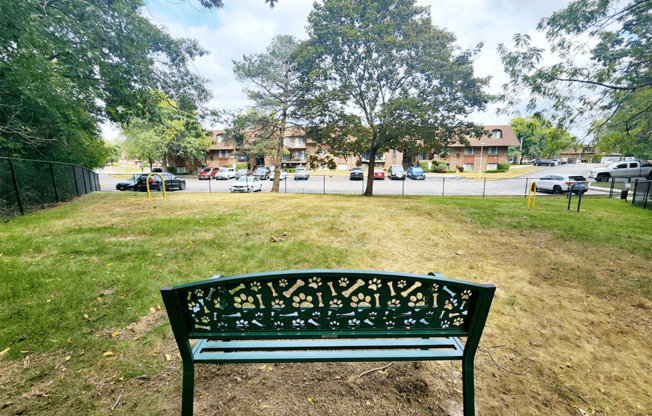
pixel 563 336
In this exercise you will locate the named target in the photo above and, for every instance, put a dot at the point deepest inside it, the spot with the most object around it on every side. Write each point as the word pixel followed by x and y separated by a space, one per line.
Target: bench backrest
pixel 327 303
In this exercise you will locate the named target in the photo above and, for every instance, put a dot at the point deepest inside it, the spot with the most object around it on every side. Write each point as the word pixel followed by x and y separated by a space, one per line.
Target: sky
pixel 245 27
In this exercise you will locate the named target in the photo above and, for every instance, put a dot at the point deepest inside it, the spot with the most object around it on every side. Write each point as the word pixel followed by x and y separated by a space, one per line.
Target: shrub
pixel 460 169
pixel 439 167
pixel 424 166
pixel 241 166
pixel 503 166
pixel 172 169
pixel 495 171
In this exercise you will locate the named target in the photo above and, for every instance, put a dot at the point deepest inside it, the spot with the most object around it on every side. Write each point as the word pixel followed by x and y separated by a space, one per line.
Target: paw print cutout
pixel 298 323
pixel 449 304
pixel 243 302
pixel 205 319
pixel 334 324
pixel 283 282
pixel 316 315
pixel 255 286
pixel 354 323
pixel 401 284
pixel 343 282
pixel 458 321
pixel 372 315
pixel 445 324
pixel 417 301
pixel 191 306
pixel 314 282
pixel 242 324
pixel 430 314
pixel 259 315
pixel 278 304
pixel 278 325
pixel 360 301
pixel 218 303
pixel 393 304
pixel 199 293
pixel 375 283
pixel 221 325
pixel 335 304
pixel 466 294
pixel 302 301
pixel 409 322
pixel 435 287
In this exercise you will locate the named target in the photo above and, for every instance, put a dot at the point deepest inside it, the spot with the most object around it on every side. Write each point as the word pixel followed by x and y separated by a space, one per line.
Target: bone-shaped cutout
pixel 258 324
pixel 423 321
pixel 321 303
pixel 391 288
pixel 333 292
pixel 234 315
pixel 434 300
pixel 288 315
pixel 414 286
pixel 404 314
pixel 463 303
pixel 208 328
pixel 235 289
pixel 210 293
pixel 350 290
pixel 449 291
pixel 311 321
pixel 271 286
pixel 451 315
pixel 291 290
pixel 346 314
pixel 260 301
pixel 189 295
pixel 377 296
pixel 368 322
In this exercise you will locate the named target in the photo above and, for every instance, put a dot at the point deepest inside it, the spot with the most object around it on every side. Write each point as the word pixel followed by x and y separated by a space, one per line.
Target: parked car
pixel 172 182
pixel 396 172
pixel 631 168
pixel 558 184
pixel 207 173
pixel 356 174
pixel 127 185
pixel 283 177
pixel 545 162
pixel 247 184
pixel 379 173
pixel 415 172
pixel 301 173
pixel 262 172
pixel 225 173
pixel 242 172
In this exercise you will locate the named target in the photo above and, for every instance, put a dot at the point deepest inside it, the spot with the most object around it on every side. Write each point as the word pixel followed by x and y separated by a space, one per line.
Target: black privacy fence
pixel 642 196
pixel 28 185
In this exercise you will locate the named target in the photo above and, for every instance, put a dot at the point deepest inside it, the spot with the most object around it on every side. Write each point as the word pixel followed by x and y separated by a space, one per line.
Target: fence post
pixel 647 194
pixel 324 193
pixel 526 181
pixel 74 178
pixel 443 183
pixel 210 188
pixel 54 183
pixel 484 186
pixel 13 176
pixel 611 189
pixel 403 187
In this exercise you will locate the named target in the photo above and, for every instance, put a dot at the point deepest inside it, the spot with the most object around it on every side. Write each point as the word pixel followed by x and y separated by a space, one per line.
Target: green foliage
pixel 172 133
pixel 439 166
pixel 255 134
pixel 603 71
pixel 424 166
pixel 241 166
pixel 496 171
pixel 504 166
pixel 539 137
pixel 379 76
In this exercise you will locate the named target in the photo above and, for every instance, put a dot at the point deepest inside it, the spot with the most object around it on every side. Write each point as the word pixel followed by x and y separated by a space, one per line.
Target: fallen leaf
pixel 115 333
pixel 3 352
pixel 168 357
pixel 158 254
pixel 312 402
pixel 262 367
pixel 152 310
pixel 68 358
pixel 110 264
pixel 106 354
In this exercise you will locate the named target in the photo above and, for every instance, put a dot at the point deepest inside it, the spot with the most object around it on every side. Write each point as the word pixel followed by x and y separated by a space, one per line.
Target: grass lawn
pixel 83 330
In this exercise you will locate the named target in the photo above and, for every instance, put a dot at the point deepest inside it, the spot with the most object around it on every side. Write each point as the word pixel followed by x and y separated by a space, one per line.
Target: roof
pixel 509 138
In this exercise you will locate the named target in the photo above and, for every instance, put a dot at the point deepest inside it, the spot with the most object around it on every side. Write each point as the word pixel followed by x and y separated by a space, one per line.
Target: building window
pixel 342 166
pixel 299 141
pixel 220 138
pixel 469 151
pixel 181 169
pixel 493 150
pixel 287 158
pixel 379 156
pixel 492 166
pixel 300 155
pixel 224 153
pixel 468 166
pixel 496 134
pixel 210 158
pixel 287 142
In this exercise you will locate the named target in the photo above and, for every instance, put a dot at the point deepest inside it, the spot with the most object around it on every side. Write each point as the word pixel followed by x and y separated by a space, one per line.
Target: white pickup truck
pixel 631 168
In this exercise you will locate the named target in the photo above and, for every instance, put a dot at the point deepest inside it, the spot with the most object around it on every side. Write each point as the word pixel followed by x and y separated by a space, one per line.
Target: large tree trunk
pixel 278 158
pixel 370 174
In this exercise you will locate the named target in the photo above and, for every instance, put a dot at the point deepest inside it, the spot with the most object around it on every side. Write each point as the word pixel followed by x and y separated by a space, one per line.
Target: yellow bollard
pixel 534 197
pixel 149 195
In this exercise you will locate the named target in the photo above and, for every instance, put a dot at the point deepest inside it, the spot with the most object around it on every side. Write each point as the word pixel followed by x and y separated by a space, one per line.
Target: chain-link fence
pixel 28 185
pixel 642 196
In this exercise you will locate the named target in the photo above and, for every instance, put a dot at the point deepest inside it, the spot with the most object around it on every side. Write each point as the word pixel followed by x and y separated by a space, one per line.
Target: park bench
pixel 327 316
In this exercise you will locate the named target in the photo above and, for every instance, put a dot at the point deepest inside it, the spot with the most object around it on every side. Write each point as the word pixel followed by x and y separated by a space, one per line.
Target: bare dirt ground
pixel 553 344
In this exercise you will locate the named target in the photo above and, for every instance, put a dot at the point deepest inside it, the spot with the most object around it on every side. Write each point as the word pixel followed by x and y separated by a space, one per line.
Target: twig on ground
pixel 500 366
pixel 117 401
pixel 374 369
pixel 581 398
pixel 97 319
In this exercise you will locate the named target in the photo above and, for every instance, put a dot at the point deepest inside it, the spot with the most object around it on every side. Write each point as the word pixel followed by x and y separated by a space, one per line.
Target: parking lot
pixel 324 183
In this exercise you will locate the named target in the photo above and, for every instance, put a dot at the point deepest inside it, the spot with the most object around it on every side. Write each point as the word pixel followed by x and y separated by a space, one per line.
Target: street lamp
pixel 480 168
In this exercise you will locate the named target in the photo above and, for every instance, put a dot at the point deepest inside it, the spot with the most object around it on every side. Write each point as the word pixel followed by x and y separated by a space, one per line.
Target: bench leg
pixel 188 389
pixel 467 389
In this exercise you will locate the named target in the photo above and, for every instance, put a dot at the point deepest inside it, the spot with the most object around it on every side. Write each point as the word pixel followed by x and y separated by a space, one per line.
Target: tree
pixel 255 135
pixel 379 76
pixel 601 76
pixel 66 66
pixel 171 133
pixel 540 137
pixel 272 82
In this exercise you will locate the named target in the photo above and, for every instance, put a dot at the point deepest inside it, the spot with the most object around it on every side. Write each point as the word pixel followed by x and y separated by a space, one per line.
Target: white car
pixel 283 177
pixel 558 184
pixel 225 173
pixel 247 184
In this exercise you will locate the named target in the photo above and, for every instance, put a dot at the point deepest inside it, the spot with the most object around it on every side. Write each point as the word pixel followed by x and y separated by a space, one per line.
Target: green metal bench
pixel 327 316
